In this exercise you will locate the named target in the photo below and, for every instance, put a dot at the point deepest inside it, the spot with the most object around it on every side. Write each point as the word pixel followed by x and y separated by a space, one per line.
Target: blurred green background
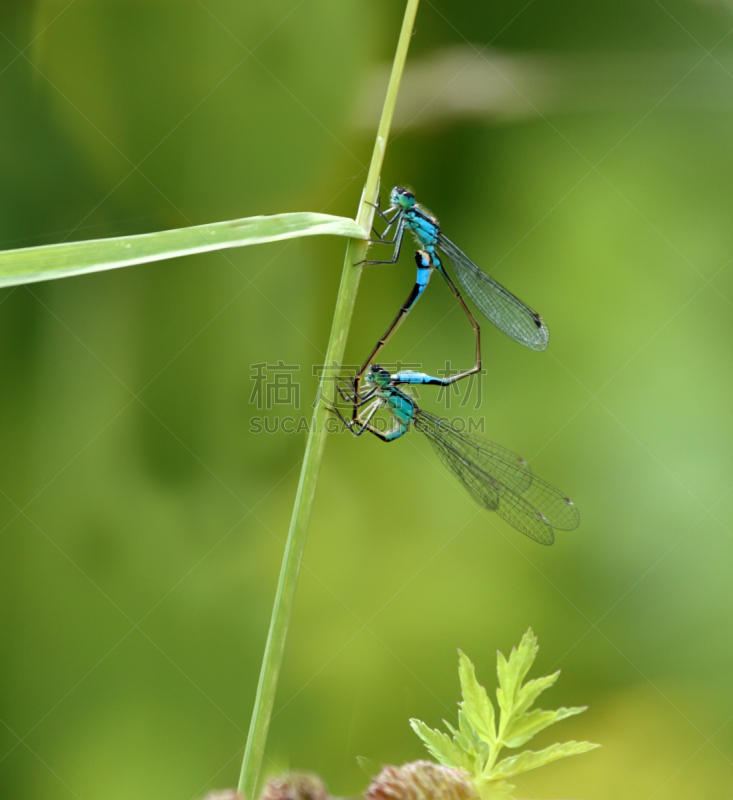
pixel 582 152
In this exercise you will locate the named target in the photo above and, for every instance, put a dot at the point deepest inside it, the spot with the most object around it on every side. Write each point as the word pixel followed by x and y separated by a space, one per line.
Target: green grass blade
pixel 316 442
pixel 32 264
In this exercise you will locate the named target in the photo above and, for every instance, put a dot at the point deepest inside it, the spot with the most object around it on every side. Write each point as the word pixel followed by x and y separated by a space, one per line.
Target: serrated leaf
pixel 529 759
pixel 532 690
pixel 529 725
pixel 477 706
pixel 522 657
pixel 512 672
pixel 477 744
pixel 502 672
pixel 460 739
pixel 33 264
pixel 445 750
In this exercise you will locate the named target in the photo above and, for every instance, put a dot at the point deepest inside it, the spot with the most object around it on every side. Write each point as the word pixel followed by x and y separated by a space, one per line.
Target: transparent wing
pixel 501 481
pixel 496 303
pixel 510 468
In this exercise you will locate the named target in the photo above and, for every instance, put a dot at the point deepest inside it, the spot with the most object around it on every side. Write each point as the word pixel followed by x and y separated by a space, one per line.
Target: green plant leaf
pixel 478 745
pixel 32 264
pixel 464 742
pixel 511 673
pixel 529 725
pixel 529 759
pixel 445 750
pixel 476 706
pixel 532 690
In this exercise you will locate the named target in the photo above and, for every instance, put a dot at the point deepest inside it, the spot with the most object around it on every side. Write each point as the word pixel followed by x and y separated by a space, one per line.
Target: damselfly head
pixel 402 197
pixel 377 375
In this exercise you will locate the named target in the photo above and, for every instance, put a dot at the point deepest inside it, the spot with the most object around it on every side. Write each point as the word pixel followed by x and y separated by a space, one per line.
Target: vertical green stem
pixel 295 545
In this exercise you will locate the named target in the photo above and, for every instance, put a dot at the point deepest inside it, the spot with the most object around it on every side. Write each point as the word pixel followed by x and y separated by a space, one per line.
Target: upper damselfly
pixel 495 477
pixel 496 303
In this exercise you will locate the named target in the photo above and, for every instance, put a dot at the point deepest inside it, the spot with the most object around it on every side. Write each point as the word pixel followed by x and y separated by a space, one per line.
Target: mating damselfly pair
pixel 497 478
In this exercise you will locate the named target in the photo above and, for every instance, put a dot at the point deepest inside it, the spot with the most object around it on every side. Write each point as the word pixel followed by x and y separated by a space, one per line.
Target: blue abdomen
pixel 408 376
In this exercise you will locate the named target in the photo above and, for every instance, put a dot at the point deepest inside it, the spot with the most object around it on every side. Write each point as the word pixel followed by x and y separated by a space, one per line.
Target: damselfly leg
pixel 426 262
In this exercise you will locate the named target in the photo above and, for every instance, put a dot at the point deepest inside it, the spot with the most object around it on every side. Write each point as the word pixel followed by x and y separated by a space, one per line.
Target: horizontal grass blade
pixel 33 264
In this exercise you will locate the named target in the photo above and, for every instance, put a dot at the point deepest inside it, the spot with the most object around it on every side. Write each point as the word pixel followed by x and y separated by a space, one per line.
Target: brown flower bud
pixel 421 780
pixel 295 786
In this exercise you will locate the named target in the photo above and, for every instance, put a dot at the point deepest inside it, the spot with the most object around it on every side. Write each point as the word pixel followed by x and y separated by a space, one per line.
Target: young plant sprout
pixel 474 747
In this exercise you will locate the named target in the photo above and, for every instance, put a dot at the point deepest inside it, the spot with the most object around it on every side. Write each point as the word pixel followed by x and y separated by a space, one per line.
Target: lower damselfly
pixel 496 478
pixel 516 319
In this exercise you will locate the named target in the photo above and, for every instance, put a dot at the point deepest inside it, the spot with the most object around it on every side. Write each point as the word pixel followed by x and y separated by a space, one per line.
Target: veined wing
pixel 496 303
pixel 510 468
pixel 526 502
